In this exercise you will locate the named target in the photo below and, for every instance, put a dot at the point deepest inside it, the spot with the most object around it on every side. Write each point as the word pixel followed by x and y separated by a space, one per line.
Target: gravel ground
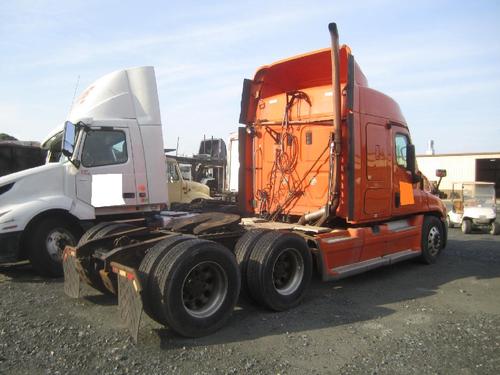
pixel 405 318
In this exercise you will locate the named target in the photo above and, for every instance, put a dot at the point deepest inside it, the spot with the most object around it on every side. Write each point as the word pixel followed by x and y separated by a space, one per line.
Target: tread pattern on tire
pixel 163 271
pixel 89 235
pixel 105 230
pixel 151 288
pixel 257 266
pixel 111 229
pixel 242 252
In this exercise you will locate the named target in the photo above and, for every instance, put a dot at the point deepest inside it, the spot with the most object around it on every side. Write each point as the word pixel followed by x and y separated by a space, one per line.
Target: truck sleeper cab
pixel 328 182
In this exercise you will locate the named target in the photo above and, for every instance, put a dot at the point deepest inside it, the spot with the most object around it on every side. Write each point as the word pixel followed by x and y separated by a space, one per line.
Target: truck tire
pixel 432 239
pixel 147 268
pixel 89 235
pixel 101 230
pixel 200 283
pixel 466 226
pixel 242 251
pixel 96 280
pixel 494 228
pixel 47 242
pixel 279 270
pixel 112 228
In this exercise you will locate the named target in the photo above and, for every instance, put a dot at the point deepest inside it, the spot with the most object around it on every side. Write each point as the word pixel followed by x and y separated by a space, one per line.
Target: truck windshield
pixel 172 175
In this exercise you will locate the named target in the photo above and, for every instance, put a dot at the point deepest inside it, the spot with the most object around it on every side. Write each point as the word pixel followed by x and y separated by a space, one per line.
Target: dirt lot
pixel 406 318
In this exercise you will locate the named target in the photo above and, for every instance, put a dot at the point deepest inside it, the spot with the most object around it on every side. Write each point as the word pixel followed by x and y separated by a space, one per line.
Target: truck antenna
pixel 74 93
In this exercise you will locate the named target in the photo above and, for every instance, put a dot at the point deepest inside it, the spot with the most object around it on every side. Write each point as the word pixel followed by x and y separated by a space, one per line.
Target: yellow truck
pixel 181 190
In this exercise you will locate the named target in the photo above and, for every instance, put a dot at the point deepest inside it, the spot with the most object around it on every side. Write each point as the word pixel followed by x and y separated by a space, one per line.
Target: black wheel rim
pixel 288 272
pixel 204 289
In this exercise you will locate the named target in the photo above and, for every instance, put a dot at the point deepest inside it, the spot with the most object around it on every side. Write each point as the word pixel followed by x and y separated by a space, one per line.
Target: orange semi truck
pixel 328 183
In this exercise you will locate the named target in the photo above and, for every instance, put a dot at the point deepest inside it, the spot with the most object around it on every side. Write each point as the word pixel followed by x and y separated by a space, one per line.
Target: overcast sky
pixel 439 59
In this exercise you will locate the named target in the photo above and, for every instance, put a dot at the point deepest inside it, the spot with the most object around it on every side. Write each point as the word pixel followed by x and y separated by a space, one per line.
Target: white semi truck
pixel 113 147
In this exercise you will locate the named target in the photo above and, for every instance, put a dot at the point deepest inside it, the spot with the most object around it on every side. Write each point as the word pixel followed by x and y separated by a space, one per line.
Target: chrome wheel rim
pixel 434 241
pixel 56 241
pixel 204 289
pixel 288 272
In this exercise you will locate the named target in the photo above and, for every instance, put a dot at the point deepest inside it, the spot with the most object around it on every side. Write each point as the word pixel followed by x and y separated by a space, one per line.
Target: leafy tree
pixel 6 137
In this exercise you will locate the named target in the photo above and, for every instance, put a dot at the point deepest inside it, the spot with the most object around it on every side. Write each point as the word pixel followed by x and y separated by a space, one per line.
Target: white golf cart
pixel 473 205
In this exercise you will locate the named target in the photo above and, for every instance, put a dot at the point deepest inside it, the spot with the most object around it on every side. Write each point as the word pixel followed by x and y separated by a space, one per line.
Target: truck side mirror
pixel 248 103
pixel 441 173
pixel 411 163
pixel 68 143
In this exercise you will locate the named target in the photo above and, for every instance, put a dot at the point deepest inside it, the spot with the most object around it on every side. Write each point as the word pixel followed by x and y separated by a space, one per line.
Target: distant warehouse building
pixel 484 166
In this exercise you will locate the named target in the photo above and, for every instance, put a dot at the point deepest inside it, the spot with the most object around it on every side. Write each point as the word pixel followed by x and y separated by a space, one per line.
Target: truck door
pixel 403 198
pixel 378 172
pixel 106 175
pixel 174 182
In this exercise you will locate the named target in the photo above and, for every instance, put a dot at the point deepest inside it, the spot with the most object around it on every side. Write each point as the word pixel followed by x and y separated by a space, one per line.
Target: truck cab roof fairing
pixel 295 73
pixel 126 94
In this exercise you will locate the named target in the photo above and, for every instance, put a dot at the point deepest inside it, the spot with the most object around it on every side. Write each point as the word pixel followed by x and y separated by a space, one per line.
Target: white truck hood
pixel 32 184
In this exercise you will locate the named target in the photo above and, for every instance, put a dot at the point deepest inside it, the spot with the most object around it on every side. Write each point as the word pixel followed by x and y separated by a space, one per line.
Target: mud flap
pixel 71 274
pixel 129 298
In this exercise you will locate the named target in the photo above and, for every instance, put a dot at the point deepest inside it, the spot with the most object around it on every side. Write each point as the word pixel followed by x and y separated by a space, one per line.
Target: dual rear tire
pixel 242 251
pixel 147 273
pixel 276 268
pixel 192 285
pixel 99 231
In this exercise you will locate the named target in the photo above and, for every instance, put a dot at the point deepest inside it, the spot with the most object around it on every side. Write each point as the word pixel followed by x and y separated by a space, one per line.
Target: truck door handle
pixel 129 195
pixel 397 200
